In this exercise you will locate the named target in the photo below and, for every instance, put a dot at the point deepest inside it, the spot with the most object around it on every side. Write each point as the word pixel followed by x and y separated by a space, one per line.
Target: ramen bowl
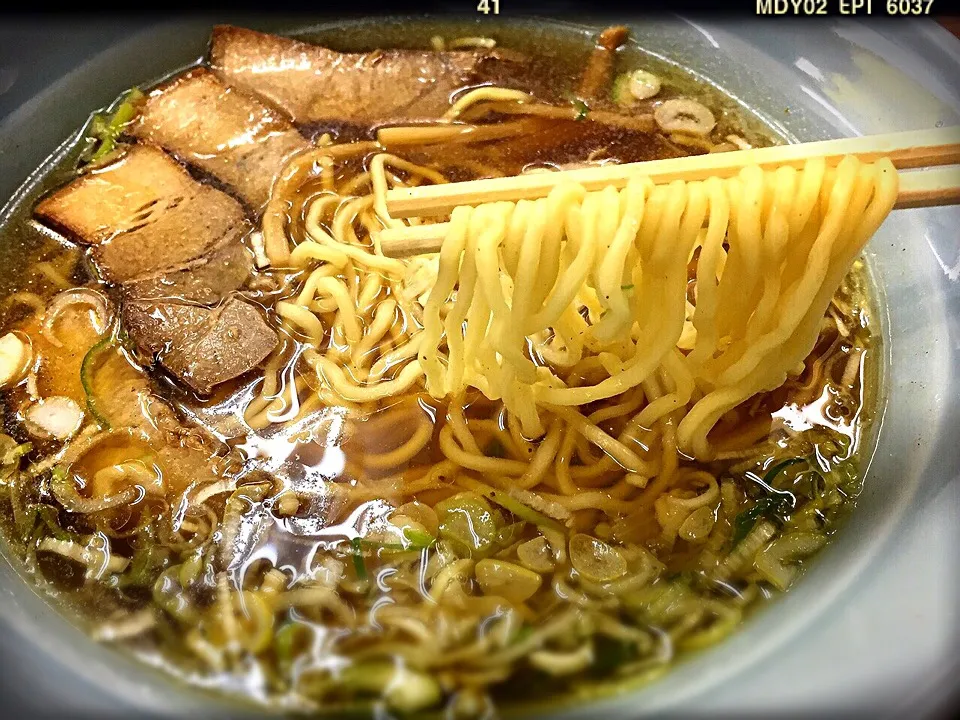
pixel 806 82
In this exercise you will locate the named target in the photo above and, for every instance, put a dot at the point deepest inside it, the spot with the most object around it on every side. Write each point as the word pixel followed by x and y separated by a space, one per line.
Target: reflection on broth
pixel 226 450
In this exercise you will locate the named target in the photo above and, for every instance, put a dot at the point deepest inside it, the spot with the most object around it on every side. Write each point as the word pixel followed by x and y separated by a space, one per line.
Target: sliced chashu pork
pixel 221 130
pixel 143 214
pixel 203 346
pixel 313 83
pixel 173 246
pixel 205 280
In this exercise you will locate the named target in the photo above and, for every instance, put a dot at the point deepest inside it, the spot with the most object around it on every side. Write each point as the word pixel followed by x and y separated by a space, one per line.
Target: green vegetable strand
pixel 416 540
pixel 772 473
pixel 495 448
pixel 524 512
pixel 145 566
pixel 582 110
pixel 86 380
pixel 769 506
pixel 358 564
pixel 104 132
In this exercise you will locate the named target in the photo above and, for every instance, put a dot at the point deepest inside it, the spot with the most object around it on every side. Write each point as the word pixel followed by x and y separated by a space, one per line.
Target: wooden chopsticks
pixel 907 150
pixel 928 188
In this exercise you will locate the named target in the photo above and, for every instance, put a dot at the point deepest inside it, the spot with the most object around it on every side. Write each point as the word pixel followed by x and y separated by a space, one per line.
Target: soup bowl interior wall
pixel 809 81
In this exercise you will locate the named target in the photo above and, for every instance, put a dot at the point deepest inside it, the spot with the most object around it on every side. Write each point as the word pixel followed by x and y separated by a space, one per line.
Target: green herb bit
pixel 765 507
pixel 524 512
pixel 522 634
pixel 415 540
pixel 611 654
pixel 495 448
pixel 358 563
pixel 145 566
pixel 626 287
pixel 86 380
pixel 582 110
pixel 772 473
pixel 106 131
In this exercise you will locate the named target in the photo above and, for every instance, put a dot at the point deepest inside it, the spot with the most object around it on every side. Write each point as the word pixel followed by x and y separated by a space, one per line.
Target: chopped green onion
pixel 522 634
pixel 416 540
pixel 495 448
pixel 524 512
pixel 39 516
pixel 744 522
pixel 288 641
pixel 86 380
pixel 620 91
pixel 611 654
pixel 127 110
pixel 771 506
pixel 25 520
pixel 358 564
pixel 190 569
pixel 419 538
pixel 170 597
pixel 107 145
pixel 582 109
pixel 105 131
pixel 50 516
pixel 99 126
pixel 13 455
pixel 626 287
pixel 145 566
pixel 509 534
pixel 467 524
pixel 772 473
pixel 765 507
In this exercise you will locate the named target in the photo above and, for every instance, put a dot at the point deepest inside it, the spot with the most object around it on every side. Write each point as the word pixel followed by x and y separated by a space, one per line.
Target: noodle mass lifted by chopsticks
pixel 694 296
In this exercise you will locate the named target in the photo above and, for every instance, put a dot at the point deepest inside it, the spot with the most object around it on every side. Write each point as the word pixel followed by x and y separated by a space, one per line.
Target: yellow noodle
pixel 414 444
pixel 303 319
pixel 331 374
pixel 484 94
pixel 512 272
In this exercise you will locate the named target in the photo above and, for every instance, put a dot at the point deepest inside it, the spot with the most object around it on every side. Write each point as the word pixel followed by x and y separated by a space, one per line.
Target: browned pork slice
pixel 205 280
pixel 313 83
pixel 144 214
pixel 174 247
pixel 221 130
pixel 202 346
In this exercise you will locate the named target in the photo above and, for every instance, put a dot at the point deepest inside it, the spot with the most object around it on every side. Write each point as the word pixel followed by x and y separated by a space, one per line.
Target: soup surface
pixel 220 452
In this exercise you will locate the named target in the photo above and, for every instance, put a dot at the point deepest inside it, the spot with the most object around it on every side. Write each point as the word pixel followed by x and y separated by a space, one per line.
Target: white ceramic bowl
pixel 811 80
